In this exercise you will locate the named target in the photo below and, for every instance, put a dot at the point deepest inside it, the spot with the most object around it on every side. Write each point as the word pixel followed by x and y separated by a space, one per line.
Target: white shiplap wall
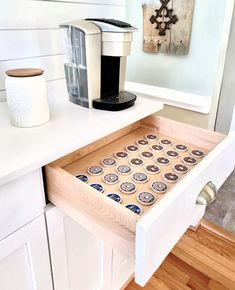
pixel 29 34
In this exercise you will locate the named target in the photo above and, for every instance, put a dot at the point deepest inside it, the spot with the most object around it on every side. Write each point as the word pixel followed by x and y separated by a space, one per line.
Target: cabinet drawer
pixel 152 235
pixel 21 201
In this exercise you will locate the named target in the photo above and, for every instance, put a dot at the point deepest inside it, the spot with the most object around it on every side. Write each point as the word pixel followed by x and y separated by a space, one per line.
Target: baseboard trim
pixel 217 230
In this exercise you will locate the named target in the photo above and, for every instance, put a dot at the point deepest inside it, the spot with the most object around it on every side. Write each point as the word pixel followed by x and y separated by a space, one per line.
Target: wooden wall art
pixel 167 25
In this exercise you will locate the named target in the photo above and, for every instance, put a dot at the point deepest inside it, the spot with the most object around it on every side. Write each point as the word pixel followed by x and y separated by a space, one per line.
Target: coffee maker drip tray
pixel 117 102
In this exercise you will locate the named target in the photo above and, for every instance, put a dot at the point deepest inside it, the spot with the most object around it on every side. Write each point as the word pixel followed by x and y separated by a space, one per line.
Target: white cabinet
pixel 21 201
pixel 24 258
pixel 24 255
pixel 123 268
pixel 80 261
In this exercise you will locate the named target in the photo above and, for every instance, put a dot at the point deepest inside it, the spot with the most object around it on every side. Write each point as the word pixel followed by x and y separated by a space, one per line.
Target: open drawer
pixel 152 235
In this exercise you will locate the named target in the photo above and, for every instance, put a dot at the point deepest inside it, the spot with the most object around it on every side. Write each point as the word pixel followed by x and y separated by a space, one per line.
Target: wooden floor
pixel 201 260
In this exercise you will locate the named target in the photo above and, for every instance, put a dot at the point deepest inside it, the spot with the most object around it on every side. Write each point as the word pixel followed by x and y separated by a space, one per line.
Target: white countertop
pixel 71 127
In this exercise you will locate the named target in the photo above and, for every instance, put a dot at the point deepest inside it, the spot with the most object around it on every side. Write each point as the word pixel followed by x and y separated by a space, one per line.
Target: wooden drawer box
pixel 151 236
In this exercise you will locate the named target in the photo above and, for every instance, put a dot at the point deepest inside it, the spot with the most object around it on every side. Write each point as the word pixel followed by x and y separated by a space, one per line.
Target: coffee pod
pixel 82 177
pixel 127 187
pixel 146 198
pixel 95 170
pixel 135 208
pixel 114 196
pixel 97 186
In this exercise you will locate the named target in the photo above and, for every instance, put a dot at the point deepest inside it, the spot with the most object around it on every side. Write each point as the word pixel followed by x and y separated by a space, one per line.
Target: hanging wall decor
pixel 167 25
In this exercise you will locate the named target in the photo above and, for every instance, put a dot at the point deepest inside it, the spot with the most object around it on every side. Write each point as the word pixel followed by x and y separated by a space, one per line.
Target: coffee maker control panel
pixel 114 22
pixel 112 25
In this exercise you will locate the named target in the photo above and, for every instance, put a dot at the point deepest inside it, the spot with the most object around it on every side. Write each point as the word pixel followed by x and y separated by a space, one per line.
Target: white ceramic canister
pixel 27 97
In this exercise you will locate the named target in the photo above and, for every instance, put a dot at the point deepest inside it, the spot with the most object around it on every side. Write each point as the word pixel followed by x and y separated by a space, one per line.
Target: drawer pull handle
pixel 208 194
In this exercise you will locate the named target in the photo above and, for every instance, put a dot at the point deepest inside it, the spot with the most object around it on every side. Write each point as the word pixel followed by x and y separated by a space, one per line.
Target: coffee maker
pixel 96 51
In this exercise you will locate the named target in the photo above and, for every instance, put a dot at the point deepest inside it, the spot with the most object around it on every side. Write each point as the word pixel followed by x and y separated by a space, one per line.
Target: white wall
pixel 29 34
pixel 232 124
pixel 226 109
pixel 194 73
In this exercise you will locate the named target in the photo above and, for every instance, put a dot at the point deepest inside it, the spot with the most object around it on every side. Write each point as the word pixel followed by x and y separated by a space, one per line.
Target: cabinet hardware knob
pixel 208 194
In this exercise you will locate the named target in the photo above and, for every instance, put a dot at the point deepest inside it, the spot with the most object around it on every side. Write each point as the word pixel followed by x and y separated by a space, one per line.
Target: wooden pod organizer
pixel 85 204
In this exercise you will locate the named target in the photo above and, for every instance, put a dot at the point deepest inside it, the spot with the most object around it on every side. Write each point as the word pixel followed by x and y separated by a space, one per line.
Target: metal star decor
pixel 163 18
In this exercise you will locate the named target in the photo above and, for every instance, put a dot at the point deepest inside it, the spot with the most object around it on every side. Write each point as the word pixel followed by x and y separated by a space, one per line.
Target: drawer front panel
pixel 161 228
pixel 21 201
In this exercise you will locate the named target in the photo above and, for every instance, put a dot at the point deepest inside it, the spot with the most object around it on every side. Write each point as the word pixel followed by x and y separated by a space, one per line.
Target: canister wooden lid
pixel 25 72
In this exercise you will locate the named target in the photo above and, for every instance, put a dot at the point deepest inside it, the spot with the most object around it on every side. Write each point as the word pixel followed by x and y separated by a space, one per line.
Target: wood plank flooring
pixel 202 260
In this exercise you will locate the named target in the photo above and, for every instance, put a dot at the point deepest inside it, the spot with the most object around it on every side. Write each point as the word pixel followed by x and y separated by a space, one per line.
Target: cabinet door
pixel 24 259
pixel 80 261
pixel 123 268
